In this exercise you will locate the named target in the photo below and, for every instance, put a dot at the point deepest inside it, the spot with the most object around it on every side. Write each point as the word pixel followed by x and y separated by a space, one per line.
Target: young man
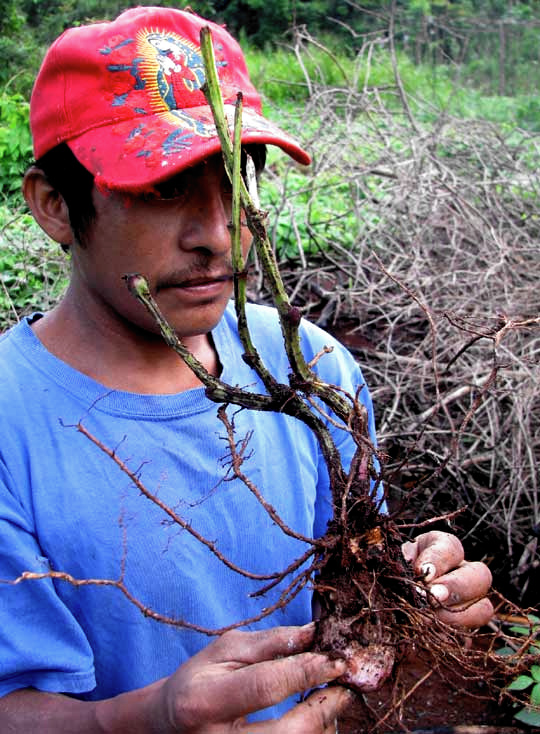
pixel 128 177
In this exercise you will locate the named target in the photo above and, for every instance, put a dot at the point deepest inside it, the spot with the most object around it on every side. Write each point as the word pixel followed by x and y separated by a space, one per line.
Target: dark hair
pixel 75 183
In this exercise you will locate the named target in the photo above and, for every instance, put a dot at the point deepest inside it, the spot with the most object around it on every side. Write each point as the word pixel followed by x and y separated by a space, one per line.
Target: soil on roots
pixel 412 671
pixel 364 589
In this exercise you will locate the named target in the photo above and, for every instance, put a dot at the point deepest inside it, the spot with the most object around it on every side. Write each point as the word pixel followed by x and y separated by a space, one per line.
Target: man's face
pixel 180 241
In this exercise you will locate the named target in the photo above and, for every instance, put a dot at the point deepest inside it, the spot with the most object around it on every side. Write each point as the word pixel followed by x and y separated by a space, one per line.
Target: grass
pixel 284 82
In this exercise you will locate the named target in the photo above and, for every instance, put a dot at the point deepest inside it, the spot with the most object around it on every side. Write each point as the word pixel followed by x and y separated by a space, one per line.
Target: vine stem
pixel 282 398
pixel 289 316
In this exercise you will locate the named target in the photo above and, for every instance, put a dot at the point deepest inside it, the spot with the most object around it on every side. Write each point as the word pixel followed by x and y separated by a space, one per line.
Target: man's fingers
pixel 462 594
pixel 243 672
pixel 247 648
pixel 474 615
pixel 254 687
pixel 472 580
pixel 320 712
pixel 459 586
pixel 433 554
pixel 270 682
pixel 316 715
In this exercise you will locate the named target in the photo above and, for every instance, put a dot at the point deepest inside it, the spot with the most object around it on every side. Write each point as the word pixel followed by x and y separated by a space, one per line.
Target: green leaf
pixel 535 695
pixel 520 683
pixel 528 716
pixel 519 630
pixel 535 672
pixel 506 651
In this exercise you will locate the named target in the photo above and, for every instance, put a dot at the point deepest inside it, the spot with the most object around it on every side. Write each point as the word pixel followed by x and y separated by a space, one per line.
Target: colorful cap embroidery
pixel 127 97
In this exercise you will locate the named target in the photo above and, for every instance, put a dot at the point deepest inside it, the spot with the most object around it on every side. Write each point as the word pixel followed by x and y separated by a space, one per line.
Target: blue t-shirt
pixel 65 505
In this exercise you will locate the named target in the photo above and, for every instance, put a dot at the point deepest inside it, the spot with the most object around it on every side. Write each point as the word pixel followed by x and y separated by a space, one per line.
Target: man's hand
pixel 211 693
pixel 243 672
pixel 459 586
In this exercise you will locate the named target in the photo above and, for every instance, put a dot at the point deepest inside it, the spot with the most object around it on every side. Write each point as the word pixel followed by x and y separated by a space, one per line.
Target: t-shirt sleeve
pixel 41 644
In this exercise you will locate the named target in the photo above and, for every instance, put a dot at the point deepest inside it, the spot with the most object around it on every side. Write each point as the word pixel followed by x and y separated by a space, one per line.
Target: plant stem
pixel 303 378
pixel 282 399
pixel 251 355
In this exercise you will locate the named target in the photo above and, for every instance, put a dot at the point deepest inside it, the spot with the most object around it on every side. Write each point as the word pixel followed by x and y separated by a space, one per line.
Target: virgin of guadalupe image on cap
pixel 176 56
pixel 172 69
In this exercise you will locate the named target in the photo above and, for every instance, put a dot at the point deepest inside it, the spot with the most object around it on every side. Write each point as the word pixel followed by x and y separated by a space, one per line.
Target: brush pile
pixel 414 238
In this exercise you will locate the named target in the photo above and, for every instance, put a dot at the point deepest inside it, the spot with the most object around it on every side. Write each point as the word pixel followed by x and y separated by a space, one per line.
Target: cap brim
pixel 136 155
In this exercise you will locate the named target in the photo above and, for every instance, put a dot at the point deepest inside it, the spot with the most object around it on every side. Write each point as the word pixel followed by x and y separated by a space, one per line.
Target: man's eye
pixel 226 186
pixel 176 188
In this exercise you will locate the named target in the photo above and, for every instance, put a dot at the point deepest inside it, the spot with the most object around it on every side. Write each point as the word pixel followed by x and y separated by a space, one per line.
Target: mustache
pixel 202 269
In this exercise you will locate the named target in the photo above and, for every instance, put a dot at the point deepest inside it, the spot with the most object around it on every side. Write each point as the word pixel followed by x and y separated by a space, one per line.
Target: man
pixel 128 177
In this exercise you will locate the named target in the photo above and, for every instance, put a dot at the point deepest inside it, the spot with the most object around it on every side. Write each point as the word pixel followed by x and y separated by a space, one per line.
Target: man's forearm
pixel 30 710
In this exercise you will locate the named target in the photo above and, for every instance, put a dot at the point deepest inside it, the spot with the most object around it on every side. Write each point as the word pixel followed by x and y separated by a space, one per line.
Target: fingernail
pixel 440 592
pixel 337 667
pixel 347 698
pixel 300 637
pixel 428 571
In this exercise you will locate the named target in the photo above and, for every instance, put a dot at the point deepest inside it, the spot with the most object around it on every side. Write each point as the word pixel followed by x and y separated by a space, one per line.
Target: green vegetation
pixel 15 142
pixel 494 43
pixel 33 270
pixel 285 83
pixel 530 682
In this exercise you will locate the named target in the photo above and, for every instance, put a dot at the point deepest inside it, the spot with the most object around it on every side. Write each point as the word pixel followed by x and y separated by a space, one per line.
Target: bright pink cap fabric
pixel 126 97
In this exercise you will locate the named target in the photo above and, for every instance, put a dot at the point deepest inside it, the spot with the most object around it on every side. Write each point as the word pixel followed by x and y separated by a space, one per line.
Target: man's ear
pixel 47 205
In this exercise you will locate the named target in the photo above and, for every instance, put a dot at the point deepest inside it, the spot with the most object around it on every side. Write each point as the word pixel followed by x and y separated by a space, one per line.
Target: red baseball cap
pixel 126 97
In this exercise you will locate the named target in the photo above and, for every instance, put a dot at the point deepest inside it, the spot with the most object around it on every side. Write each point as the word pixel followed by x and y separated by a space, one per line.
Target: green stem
pixel 282 399
pixel 303 377
pixel 251 355
pixel 303 381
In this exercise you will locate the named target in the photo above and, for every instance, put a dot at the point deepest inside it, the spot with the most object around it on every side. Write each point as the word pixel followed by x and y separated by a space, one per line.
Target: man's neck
pixel 119 356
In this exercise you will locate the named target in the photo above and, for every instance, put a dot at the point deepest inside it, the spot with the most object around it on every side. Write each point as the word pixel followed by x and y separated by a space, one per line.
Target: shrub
pixel 449 208
pixel 528 682
pixel 33 270
pixel 15 141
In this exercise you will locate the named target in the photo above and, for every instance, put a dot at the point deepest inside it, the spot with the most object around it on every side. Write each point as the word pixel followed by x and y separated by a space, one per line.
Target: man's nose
pixel 208 220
